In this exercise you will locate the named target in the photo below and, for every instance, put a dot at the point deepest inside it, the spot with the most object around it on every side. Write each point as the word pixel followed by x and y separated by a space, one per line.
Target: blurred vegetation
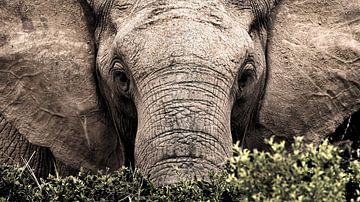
pixel 308 173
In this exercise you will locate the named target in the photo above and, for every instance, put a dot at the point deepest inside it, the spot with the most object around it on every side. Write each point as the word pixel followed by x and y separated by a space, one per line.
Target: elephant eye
pixel 122 79
pixel 247 76
pixel 121 76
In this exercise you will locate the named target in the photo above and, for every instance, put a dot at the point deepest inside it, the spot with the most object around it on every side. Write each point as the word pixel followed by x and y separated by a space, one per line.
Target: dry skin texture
pixel 179 81
pixel 46 86
pixel 314 60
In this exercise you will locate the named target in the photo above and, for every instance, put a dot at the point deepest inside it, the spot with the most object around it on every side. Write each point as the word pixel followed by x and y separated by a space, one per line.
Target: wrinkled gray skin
pixel 178 81
pixel 191 73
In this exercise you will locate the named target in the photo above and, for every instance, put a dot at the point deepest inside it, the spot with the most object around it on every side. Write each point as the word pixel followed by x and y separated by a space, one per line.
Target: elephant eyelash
pixel 251 69
pixel 116 65
pixel 122 7
pixel 120 76
pixel 117 70
pixel 249 61
pixel 247 74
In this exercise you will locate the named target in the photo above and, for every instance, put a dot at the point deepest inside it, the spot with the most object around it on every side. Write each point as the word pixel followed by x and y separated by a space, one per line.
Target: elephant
pixel 168 86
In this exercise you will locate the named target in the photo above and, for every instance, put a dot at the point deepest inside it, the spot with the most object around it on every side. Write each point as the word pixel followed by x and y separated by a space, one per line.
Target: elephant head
pixel 180 79
pixel 167 86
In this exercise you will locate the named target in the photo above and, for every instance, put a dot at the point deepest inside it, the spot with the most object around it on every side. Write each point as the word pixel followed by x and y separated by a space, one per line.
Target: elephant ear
pixel 314 61
pixel 46 81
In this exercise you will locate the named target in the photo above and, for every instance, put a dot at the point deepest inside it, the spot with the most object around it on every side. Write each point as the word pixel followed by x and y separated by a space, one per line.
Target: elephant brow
pixel 260 9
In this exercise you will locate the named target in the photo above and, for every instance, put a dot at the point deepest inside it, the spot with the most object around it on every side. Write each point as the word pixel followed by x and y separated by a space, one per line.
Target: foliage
pixel 16 184
pixel 308 173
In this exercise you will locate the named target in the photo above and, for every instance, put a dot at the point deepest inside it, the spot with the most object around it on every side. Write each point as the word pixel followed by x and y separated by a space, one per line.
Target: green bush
pixel 16 184
pixel 307 174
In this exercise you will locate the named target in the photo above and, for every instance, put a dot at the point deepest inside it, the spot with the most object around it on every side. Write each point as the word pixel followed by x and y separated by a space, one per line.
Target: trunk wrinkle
pixel 207 137
pixel 206 103
pixel 193 85
pixel 182 64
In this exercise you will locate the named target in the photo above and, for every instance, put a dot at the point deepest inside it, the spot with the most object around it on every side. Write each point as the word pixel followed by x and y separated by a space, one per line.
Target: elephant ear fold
pixel 314 64
pixel 47 90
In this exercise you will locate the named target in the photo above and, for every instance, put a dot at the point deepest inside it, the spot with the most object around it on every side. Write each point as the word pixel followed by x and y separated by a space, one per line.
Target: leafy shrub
pixel 307 174
pixel 16 184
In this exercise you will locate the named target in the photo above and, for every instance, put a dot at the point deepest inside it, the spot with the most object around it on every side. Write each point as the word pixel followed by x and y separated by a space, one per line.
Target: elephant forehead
pixel 185 42
pixel 151 9
pixel 149 32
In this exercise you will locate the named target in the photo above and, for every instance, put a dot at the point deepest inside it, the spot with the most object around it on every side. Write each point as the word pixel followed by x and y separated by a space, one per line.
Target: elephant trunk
pixel 184 126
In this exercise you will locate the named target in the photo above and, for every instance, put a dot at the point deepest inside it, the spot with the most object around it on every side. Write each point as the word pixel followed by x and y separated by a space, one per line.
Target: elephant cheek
pixel 183 137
